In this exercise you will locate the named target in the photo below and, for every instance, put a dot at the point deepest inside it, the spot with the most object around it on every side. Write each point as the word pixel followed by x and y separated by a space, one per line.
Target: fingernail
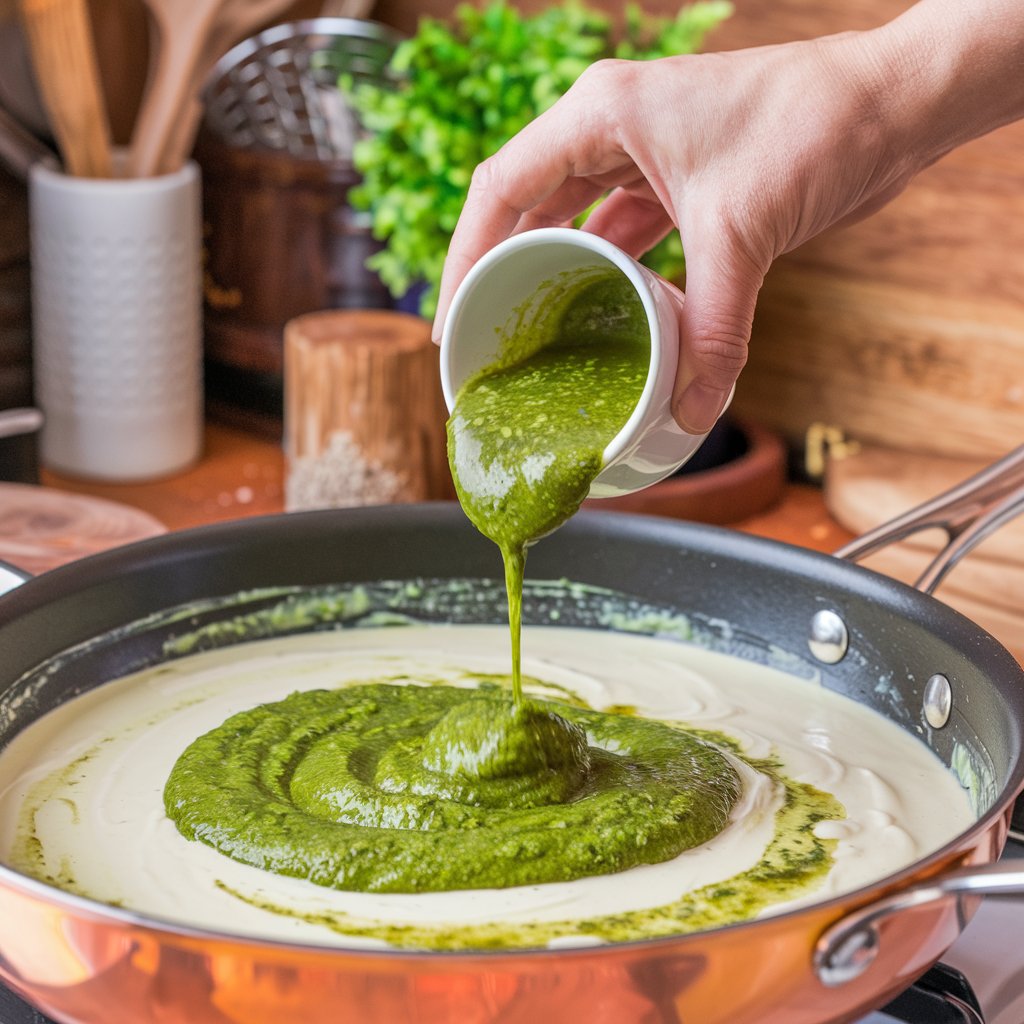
pixel 436 330
pixel 697 409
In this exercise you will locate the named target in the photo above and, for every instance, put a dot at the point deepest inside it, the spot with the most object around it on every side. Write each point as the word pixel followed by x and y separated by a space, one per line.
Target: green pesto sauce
pixel 527 435
pixel 398 788
pixel 793 865
pixel 27 853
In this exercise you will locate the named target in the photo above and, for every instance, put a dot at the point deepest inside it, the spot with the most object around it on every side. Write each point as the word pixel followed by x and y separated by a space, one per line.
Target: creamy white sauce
pixel 88 778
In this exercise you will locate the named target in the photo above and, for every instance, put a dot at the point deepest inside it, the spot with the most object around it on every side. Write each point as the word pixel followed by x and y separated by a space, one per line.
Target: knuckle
pixel 603 99
pixel 607 83
pixel 602 72
pixel 721 348
pixel 484 175
pixel 490 182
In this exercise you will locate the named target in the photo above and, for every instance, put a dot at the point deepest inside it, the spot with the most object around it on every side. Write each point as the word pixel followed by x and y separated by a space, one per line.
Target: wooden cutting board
pixel 877 484
pixel 42 528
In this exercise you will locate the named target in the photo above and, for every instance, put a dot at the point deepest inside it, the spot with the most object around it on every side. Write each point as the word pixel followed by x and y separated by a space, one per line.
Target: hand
pixel 748 153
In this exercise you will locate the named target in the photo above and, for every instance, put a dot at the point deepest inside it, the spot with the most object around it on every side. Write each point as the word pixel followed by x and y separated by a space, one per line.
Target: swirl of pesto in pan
pixel 402 788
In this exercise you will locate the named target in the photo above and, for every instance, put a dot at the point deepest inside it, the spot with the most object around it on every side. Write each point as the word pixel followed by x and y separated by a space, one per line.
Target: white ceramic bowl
pixel 509 282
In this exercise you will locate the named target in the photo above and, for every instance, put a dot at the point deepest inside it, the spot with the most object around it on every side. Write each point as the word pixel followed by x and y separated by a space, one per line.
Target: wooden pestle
pixel 64 60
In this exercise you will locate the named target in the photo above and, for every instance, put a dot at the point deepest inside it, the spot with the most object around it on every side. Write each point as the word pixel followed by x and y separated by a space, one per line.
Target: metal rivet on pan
pixel 849 959
pixel 938 701
pixel 829 639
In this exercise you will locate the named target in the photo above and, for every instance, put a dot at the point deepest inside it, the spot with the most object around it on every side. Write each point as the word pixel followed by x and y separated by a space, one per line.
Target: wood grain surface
pixel 364 412
pixel 42 528
pixel 239 476
pixel 907 328
pixel 874 486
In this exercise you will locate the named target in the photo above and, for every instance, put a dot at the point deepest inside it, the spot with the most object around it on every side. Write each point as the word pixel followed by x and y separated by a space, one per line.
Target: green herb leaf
pixel 457 91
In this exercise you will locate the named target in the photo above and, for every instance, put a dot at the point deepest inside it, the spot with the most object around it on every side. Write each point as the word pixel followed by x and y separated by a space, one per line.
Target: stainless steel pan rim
pixel 761 553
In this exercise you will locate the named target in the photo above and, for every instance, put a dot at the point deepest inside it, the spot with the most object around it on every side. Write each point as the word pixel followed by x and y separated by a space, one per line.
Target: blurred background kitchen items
pixel 186 44
pixel 282 239
pixel 19 431
pixel 19 94
pixel 117 322
pixel 279 89
pixel 15 304
pixel 42 528
pixel 19 148
pixel 180 32
pixel 64 58
pixel 364 413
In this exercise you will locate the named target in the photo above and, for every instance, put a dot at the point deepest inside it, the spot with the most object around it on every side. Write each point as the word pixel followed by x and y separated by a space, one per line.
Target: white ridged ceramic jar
pixel 117 322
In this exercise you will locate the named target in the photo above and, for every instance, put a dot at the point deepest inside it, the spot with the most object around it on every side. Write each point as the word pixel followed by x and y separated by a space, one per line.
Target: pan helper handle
pixel 847 948
pixel 10 577
pixel 968 513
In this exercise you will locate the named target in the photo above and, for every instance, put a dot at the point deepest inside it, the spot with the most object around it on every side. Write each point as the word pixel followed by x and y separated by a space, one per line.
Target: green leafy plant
pixel 458 90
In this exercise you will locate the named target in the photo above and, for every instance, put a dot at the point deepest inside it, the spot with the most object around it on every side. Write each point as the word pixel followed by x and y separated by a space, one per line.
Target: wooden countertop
pixel 241 475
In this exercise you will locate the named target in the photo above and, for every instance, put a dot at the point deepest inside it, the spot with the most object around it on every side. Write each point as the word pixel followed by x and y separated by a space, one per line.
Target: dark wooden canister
pixel 280 240
pixel 15 298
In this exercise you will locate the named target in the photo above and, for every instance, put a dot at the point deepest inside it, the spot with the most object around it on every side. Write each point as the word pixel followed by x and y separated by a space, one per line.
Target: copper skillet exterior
pixel 79 963
pixel 88 964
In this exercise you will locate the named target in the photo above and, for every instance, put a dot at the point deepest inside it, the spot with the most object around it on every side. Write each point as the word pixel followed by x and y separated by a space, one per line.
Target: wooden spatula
pixel 64 60
pixel 235 21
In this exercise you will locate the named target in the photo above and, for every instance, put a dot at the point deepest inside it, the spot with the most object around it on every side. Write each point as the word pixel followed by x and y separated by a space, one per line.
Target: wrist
pixel 945 72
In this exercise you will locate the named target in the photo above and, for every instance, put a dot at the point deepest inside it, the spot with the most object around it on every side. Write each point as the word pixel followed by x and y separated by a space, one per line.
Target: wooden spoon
pixel 237 20
pixel 64 60
pixel 183 31
pixel 346 8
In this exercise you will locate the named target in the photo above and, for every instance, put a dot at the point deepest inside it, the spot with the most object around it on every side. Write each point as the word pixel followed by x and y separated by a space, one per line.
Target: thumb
pixel 714 329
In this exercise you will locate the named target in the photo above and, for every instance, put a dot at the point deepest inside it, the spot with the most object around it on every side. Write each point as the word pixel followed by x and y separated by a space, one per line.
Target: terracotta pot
pixel 743 474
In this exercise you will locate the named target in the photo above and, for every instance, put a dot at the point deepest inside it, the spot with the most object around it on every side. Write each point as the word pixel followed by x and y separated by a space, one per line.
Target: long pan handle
pixel 968 513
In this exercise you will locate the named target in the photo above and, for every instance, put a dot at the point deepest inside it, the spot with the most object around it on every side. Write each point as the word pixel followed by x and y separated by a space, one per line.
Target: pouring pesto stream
pixel 381 787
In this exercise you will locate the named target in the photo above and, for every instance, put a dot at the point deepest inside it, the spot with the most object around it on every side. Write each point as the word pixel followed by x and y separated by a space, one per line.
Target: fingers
pixel 563 205
pixel 722 284
pixel 635 223
pixel 522 175
pixel 486 218
pixel 551 171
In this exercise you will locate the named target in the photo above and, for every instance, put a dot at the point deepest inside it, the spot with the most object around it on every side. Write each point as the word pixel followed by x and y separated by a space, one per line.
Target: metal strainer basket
pixel 279 90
